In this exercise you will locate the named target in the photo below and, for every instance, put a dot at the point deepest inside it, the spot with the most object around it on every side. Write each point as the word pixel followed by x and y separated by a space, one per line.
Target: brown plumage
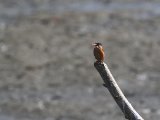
pixel 98 52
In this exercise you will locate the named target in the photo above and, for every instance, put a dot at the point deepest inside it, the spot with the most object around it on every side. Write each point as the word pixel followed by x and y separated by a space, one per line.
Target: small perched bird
pixel 98 52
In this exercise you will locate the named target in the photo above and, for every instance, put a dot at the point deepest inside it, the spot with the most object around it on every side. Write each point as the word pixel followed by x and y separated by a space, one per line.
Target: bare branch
pixel 110 83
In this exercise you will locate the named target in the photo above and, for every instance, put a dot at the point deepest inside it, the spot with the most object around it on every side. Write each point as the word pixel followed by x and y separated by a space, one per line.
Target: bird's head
pixel 97 44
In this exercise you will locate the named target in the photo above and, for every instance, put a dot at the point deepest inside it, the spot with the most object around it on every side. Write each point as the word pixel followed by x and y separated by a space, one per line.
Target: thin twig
pixel 110 83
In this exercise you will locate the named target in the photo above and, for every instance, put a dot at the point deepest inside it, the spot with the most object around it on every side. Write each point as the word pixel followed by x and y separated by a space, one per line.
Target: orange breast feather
pixel 99 53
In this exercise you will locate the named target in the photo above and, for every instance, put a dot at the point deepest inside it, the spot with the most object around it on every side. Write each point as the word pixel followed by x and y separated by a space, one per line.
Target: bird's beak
pixel 93 44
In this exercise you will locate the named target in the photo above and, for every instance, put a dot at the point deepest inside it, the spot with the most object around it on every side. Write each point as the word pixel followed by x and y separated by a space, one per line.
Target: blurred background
pixel 46 58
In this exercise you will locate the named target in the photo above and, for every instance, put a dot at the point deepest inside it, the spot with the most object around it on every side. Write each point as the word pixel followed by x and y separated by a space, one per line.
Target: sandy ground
pixel 46 63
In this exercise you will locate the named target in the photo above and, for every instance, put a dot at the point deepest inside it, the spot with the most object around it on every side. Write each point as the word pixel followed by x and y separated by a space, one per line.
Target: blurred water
pixel 143 10
pixel 9 13
pixel 4 117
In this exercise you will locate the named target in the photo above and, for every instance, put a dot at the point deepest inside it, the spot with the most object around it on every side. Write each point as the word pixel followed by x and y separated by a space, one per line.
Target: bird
pixel 98 52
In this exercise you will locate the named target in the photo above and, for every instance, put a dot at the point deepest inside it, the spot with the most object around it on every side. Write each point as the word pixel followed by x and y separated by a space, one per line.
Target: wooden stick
pixel 110 83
